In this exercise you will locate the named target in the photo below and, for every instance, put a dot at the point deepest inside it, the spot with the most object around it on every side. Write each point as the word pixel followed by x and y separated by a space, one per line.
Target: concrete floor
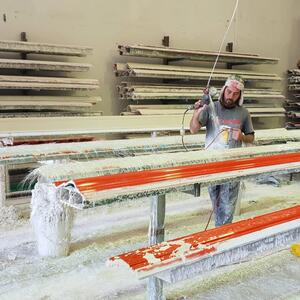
pixel 105 231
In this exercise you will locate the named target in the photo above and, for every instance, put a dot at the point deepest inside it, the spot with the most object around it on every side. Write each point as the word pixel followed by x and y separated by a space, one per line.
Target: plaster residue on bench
pixel 73 170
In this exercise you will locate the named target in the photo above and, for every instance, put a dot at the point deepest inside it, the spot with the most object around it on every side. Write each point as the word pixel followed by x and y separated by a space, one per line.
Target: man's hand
pixel 237 134
pixel 198 104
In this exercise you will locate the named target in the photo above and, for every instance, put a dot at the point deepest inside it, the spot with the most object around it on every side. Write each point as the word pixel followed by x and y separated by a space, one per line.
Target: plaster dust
pixel 52 221
pixel 102 232
pixel 9 217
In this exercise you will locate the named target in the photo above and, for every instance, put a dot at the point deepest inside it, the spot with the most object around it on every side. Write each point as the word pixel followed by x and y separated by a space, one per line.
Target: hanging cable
pixel 224 37
pixel 182 131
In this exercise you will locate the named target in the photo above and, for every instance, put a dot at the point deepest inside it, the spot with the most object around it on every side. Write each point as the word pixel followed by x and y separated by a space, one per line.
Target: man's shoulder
pixel 243 109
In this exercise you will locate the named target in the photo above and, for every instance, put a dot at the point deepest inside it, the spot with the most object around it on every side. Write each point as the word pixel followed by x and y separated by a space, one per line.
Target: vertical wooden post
pixel 156 235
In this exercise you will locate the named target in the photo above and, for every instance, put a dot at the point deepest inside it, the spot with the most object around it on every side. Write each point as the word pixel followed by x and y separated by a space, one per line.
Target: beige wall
pixel 267 27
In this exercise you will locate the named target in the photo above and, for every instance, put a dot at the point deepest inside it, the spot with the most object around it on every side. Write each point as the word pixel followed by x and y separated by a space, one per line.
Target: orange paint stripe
pixel 209 238
pixel 106 182
pixel 165 263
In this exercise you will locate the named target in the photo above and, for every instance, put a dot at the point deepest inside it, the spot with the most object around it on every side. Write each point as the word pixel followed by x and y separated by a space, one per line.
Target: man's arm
pixel 239 136
pixel 195 125
pixel 247 134
pixel 248 138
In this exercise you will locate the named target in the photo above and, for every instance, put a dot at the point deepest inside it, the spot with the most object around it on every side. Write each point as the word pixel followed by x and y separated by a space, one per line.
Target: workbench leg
pixel 237 211
pixel 197 189
pixel 155 289
pixel 3 183
pixel 156 235
pixel 156 232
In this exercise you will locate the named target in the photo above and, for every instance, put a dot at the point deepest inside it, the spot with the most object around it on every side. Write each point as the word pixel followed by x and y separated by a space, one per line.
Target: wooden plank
pixel 107 179
pixel 187 256
pixel 133 108
pixel 46 86
pixel 38 141
pixel 158 167
pixel 294 79
pixel 294 87
pixel 190 95
pixel 272 110
pixel 267 115
pixel 46 83
pixel 132 85
pixel 179 50
pixel 109 148
pixel 60 99
pixel 252 108
pixel 40 79
pixel 294 72
pixel 193 89
pixel 62 112
pixel 195 69
pixel 43 65
pixel 167 49
pixel 293 114
pixel 193 75
pixel 39 105
pixel 135 69
pixel 292 125
pixel 44 48
pixel 89 125
pixel 138 92
pixel 266 109
pixel 128 113
pixel 173 53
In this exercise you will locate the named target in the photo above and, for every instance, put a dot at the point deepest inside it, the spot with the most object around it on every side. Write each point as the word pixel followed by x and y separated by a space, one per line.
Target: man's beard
pixel 228 103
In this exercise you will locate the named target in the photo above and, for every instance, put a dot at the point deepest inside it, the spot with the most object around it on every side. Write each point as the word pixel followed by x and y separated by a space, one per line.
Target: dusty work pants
pixel 224 198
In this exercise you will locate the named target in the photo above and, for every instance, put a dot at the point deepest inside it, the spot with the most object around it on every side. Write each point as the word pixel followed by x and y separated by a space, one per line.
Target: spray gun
pixel 208 94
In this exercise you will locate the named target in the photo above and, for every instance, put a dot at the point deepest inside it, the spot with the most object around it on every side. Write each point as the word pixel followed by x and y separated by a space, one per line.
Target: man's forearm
pixel 194 124
pixel 248 138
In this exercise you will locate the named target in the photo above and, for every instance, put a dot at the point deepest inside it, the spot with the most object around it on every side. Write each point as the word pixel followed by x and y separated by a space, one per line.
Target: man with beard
pixel 228 125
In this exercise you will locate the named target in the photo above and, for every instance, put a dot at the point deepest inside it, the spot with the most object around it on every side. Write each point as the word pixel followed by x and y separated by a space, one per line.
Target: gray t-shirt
pixel 218 135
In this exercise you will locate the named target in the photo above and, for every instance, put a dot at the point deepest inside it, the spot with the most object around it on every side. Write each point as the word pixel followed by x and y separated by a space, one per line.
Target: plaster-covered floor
pixel 105 231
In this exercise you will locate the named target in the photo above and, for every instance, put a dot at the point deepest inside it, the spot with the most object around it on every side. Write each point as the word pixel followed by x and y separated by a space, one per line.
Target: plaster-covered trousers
pixel 224 198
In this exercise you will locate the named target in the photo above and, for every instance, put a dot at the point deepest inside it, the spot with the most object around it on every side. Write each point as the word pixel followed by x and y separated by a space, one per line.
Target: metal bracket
pixel 23 38
pixel 229 48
